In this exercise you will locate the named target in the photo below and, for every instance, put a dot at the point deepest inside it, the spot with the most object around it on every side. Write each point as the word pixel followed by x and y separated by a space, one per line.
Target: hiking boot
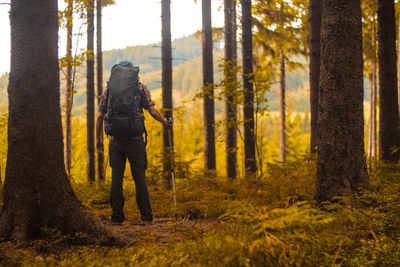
pixel 148 222
pixel 117 221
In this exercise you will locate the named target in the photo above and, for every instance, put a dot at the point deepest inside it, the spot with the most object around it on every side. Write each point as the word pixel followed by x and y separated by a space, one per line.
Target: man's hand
pixel 169 122
pixel 159 117
pixel 168 117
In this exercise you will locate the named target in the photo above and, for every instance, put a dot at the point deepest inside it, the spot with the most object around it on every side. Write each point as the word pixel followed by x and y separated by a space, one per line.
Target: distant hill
pixel 187 74
pixel 148 57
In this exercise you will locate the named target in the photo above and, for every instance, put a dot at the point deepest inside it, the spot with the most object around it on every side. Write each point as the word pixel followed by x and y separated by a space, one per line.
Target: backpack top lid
pixel 125 63
pixel 123 90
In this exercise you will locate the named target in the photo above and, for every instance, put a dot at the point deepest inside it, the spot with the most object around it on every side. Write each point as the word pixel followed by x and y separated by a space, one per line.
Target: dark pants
pixel 135 150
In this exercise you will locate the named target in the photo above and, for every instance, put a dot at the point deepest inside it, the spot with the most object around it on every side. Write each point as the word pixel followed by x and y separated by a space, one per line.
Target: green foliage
pixel 262 221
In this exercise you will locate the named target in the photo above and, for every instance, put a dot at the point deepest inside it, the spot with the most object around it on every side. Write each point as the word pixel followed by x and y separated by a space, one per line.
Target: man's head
pixel 125 63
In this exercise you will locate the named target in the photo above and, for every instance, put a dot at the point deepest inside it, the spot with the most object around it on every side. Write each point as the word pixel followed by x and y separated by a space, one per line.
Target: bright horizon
pixel 144 26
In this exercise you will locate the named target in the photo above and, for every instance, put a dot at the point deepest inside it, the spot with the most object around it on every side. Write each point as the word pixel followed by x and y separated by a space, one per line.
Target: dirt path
pixel 166 230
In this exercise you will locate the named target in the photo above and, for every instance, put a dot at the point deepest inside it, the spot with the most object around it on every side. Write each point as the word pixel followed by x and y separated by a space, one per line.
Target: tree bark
pixel 91 172
pixel 248 92
pixel 68 91
pixel 166 58
pixel 100 154
pixel 398 65
pixel 37 192
pixel 230 101
pixel 282 129
pixel 208 84
pixel 315 35
pixel 388 96
pixel 372 137
pixel 341 164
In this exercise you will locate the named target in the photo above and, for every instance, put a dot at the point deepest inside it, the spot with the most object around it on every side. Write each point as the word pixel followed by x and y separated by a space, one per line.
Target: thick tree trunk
pixel 100 154
pixel 341 165
pixel 91 172
pixel 230 102
pixel 389 138
pixel 208 84
pixel 398 66
pixel 166 58
pixel 248 105
pixel 315 35
pixel 37 192
pixel 282 129
pixel 68 91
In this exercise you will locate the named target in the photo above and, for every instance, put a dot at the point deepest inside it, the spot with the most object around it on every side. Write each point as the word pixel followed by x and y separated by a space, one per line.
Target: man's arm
pixel 157 115
pixel 99 131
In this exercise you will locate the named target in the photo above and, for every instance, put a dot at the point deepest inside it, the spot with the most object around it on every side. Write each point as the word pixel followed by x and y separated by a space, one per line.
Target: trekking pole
pixel 172 168
pixel 171 153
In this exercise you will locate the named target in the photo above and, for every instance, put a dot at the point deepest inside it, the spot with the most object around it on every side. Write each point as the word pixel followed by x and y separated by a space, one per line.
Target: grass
pixel 260 221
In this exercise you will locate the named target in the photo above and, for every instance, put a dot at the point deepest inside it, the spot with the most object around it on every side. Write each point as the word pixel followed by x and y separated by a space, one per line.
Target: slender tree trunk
pixel 100 154
pixel 282 129
pixel 68 91
pixel 388 99
pixel 230 101
pixel 372 124
pixel 341 164
pixel 166 58
pixel 37 193
pixel 248 105
pixel 208 84
pixel 91 173
pixel 315 35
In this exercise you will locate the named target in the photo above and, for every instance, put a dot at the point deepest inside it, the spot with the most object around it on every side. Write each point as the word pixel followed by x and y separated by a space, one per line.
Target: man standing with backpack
pixel 121 109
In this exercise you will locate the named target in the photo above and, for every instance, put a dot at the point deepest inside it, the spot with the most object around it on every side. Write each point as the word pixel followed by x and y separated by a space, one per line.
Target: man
pixel 133 148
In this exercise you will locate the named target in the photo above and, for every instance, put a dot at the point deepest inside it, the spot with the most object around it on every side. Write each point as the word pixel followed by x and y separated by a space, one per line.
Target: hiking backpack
pixel 124 115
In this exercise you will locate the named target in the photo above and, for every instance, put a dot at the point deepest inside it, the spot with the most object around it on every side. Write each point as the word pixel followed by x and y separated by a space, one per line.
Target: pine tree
pixel 315 34
pixel 69 89
pixel 369 10
pixel 166 58
pixel 341 165
pixel 248 103
pixel 230 89
pixel 99 62
pixel 208 85
pixel 91 173
pixel 37 193
pixel 279 37
pixel 388 106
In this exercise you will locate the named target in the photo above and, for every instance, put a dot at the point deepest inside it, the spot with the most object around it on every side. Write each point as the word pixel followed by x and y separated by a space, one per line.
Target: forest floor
pixel 261 221
pixel 55 249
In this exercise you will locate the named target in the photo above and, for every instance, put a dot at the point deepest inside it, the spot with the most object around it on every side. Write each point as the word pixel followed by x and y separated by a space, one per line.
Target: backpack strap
pixel 144 126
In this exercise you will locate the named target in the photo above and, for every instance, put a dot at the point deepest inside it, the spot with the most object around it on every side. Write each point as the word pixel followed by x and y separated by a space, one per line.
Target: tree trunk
pixel 166 58
pixel 341 164
pixel 388 102
pixel 398 64
pixel 208 84
pixel 282 129
pixel 91 172
pixel 230 101
pixel 372 124
pixel 248 105
pixel 37 192
pixel 100 154
pixel 315 35
pixel 68 91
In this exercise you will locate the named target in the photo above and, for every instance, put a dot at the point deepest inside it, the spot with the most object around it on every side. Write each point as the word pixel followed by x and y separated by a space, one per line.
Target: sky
pixel 127 23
